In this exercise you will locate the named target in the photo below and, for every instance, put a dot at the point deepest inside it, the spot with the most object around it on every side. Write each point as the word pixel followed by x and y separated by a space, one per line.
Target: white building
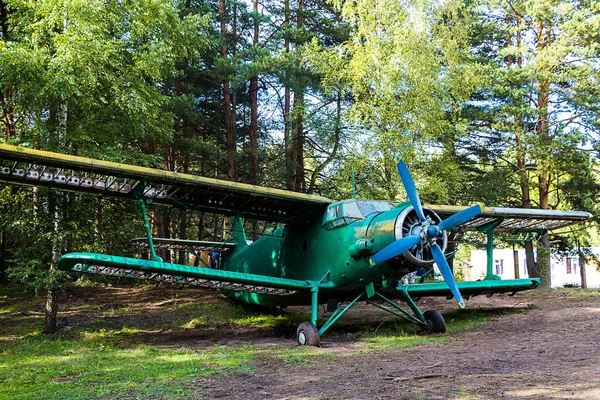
pixel 565 271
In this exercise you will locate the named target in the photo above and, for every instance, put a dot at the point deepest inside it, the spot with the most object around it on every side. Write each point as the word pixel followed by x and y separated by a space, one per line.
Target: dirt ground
pixel 552 351
pixel 535 345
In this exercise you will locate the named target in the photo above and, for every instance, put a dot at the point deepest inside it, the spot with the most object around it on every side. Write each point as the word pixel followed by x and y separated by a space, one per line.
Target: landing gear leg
pixel 430 321
pixel 307 333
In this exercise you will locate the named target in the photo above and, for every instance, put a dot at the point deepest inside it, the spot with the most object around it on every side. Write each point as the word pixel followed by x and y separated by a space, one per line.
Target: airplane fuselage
pixel 333 249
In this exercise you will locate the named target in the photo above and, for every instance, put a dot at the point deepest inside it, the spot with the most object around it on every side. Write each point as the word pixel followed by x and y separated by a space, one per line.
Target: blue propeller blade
pixel 442 264
pixel 411 190
pixel 460 217
pixel 395 249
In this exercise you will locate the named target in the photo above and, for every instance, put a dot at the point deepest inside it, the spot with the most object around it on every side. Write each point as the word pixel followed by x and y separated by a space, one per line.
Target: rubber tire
pixel 435 322
pixel 308 335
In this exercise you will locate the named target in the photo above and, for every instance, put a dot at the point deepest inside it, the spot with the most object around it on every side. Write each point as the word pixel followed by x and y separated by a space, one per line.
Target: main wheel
pixel 435 322
pixel 308 335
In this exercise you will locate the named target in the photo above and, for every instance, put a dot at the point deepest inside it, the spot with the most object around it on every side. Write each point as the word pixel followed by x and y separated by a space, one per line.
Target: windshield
pixel 367 207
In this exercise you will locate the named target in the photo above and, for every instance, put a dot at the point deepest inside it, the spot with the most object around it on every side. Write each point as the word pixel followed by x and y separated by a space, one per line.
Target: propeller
pixel 430 233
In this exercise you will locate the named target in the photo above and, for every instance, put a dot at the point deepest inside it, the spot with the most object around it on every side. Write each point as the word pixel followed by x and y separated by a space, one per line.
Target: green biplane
pixel 330 252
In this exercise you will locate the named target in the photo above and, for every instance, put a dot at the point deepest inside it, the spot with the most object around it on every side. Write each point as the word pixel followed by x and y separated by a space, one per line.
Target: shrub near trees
pixel 487 101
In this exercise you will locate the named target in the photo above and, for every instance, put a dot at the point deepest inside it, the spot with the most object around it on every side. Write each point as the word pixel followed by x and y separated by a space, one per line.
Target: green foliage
pixel 133 47
pixel 452 88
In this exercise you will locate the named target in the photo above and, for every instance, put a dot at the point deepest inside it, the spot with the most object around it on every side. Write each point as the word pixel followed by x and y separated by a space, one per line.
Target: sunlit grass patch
pixel 19 325
pixel 400 341
pixel 401 334
pixel 580 293
pixel 24 304
pixel 65 367
pixel 233 315
pixel 461 320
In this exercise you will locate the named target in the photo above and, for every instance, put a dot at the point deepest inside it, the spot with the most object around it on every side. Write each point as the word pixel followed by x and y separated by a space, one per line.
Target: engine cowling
pixel 385 229
pixel 407 223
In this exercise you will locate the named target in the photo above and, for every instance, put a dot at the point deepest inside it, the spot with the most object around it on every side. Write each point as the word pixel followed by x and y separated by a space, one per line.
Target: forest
pixel 489 101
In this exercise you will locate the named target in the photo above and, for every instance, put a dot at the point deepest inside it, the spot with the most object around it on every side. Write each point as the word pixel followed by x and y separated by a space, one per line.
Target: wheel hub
pixel 302 338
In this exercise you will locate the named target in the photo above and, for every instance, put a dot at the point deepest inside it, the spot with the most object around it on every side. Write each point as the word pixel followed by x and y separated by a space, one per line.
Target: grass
pixel 400 334
pixel 104 358
pixel 86 365
pixel 580 293
pixel 216 315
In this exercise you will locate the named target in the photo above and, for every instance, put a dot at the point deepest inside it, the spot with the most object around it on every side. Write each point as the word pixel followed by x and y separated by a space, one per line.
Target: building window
pixel 499 267
pixel 571 266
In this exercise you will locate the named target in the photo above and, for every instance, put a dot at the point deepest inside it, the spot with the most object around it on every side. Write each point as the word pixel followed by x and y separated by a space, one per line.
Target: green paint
pixel 72 260
pixel 341 310
pixel 489 231
pixel 238 235
pixel 471 288
pixel 314 309
pixel 153 255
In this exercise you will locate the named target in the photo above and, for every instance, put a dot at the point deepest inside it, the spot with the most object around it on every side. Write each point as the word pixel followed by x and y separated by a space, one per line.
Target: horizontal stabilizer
pixel 470 288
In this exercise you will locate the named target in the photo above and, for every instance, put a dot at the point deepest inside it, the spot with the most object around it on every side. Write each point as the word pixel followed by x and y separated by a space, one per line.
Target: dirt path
pixel 550 352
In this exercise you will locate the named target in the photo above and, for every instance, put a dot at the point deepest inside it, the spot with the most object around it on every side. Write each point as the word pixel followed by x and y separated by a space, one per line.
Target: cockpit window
pixel 370 206
pixel 348 211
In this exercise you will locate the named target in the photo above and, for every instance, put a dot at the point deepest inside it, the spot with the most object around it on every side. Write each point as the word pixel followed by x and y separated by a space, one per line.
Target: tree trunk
pixel 544 261
pixel 230 133
pixel 54 202
pixel 287 100
pixel 542 127
pixel 298 140
pixel 161 221
pixel 254 179
pixel 298 115
pixel 232 141
pixel 183 223
pixel 8 118
pixel 516 264
pixel 51 311
pixel 2 257
pixel 98 224
pixel 337 132
pixel 254 109
pixel 52 295
pixel 4 20
pixel 532 269
pixel 582 271
pixel 183 214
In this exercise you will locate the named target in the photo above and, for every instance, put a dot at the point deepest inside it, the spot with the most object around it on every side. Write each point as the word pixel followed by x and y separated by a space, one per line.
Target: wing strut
pixel 153 255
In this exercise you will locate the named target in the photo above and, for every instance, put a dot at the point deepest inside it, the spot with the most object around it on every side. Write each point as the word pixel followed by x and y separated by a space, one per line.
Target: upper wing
pixel 516 219
pixel 19 165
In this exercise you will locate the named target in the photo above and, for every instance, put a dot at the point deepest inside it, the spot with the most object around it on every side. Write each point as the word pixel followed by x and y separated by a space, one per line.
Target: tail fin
pixel 238 234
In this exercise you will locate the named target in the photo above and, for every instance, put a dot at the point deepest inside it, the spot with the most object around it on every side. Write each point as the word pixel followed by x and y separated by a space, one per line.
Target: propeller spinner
pixel 429 233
